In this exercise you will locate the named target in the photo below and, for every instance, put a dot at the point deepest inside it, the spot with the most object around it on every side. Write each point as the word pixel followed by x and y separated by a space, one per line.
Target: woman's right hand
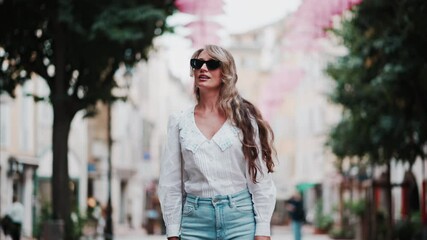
pixel 173 238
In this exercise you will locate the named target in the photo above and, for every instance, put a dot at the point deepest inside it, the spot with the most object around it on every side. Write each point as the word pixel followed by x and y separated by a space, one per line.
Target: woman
pixel 218 160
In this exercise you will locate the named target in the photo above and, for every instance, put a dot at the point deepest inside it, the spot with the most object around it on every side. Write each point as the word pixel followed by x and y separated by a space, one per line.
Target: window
pixel 5 125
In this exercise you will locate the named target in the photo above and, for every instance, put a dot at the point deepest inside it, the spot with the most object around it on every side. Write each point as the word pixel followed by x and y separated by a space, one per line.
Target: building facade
pixel 138 131
pixel 26 155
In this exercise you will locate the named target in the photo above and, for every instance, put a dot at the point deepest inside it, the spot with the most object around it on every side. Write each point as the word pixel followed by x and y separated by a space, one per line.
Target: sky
pixel 243 15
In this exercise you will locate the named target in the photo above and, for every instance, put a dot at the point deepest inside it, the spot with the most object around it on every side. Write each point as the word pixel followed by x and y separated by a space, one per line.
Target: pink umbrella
pixel 306 27
pixel 311 20
pixel 202 31
pixel 284 80
pixel 199 40
pixel 204 26
pixel 199 7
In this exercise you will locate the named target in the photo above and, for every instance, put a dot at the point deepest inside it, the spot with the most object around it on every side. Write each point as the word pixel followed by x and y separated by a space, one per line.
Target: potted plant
pixel 322 222
pixel 341 233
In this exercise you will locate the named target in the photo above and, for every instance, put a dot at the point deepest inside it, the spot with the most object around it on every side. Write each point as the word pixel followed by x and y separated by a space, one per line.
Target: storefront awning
pixel 304 186
pixel 29 161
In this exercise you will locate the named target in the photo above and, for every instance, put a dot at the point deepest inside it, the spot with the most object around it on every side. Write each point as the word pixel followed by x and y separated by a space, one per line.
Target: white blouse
pixel 211 167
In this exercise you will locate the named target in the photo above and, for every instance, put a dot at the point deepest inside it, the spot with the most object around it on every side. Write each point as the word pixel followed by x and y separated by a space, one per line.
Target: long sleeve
pixel 263 194
pixel 169 190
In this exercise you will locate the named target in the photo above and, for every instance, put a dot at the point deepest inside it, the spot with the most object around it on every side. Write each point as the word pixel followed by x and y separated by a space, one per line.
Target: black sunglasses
pixel 211 64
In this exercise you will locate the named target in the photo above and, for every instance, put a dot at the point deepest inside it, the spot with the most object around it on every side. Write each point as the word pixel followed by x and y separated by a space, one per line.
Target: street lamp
pixel 108 231
pixel 122 90
pixel 14 168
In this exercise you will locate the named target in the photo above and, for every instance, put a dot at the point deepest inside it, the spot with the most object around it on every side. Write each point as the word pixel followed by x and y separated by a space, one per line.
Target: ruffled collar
pixel 192 138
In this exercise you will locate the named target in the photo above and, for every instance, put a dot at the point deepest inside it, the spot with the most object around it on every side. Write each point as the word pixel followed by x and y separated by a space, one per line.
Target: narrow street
pixel 279 233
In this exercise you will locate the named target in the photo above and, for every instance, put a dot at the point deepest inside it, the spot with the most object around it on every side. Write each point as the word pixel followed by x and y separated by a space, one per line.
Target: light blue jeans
pixel 296 229
pixel 223 217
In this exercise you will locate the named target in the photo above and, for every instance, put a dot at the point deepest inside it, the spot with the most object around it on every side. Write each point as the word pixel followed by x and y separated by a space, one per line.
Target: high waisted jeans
pixel 223 217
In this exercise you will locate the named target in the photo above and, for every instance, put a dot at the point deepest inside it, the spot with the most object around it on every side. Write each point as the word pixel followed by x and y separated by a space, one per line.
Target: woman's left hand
pixel 262 238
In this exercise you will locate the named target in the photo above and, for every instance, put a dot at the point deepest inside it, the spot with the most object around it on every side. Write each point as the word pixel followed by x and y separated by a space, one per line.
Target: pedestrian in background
pixel 296 211
pixel 218 159
pixel 15 215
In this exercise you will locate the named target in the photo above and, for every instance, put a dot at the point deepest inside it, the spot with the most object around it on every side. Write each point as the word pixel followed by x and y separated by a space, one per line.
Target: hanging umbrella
pixel 202 31
pixel 199 7
pixel 307 27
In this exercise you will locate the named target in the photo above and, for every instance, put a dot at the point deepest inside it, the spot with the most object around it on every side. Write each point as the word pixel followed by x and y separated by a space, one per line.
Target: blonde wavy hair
pixel 241 112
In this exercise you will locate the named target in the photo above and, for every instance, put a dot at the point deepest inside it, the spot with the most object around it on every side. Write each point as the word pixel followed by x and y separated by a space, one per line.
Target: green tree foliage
pixel 76 46
pixel 381 82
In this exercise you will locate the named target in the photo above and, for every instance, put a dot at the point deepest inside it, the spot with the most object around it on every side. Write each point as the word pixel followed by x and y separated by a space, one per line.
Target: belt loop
pixel 196 203
pixel 230 201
